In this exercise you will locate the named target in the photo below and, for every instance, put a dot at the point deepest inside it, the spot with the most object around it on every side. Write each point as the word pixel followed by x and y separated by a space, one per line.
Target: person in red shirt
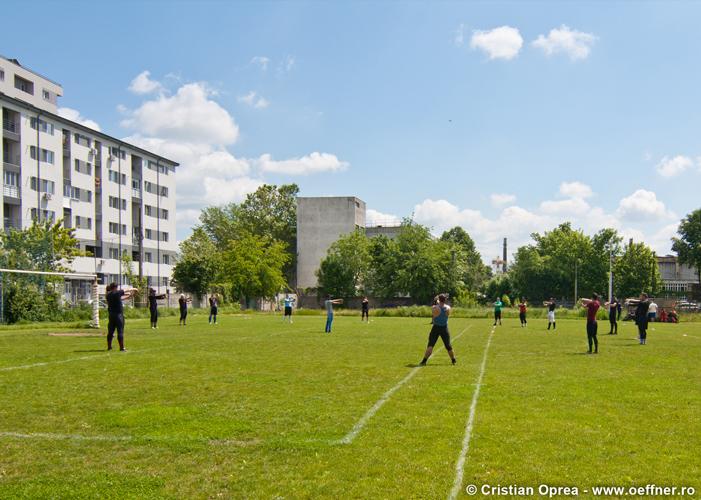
pixel 522 307
pixel 592 306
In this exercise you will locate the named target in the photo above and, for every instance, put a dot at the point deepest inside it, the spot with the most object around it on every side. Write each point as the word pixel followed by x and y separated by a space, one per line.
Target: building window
pixel 45 155
pixel 114 176
pixel 46 95
pixel 49 215
pixel 24 85
pixel 114 228
pixel 148 257
pixel 114 253
pixel 118 153
pixel 149 234
pixel 83 222
pixel 166 258
pixel 114 202
pixel 83 140
pixel 83 167
pixel 46 186
pixel 2 75
pixel 164 236
pixel 11 178
pixel 43 126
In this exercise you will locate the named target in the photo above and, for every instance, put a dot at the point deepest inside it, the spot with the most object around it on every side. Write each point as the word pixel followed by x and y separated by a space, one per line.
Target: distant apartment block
pixel 678 279
pixel 118 197
pixel 323 220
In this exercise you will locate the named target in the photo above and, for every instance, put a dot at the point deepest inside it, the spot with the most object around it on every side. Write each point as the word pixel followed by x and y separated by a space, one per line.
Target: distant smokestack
pixel 504 257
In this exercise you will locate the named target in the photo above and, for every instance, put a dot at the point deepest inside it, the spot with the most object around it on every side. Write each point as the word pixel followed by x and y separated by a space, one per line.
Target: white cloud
pixel 74 115
pixel 459 39
pixel 504 42
pixel 576 190
pixel 219 191
pixel 189 115
pixel 642 213
pixel 142 84
pixel 261 61
pixel 309 164
pixel 670 167
pixel 501 199
pixel 373 217
pixel 254 100
pixel 575 44
pixel 643 206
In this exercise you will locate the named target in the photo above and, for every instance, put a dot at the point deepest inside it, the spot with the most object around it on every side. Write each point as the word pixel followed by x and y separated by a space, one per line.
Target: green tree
pixel 269 212
pixel 198 263
pixel 253 266
pixel 44 246
pixel 498 286
pixel 475 271
pixel 134 280
pixel 688 245
pixel 344 270
pixel 384 266
pixel 636 271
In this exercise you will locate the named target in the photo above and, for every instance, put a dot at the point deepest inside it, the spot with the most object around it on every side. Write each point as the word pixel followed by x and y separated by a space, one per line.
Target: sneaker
pixel 422 363
pixel 454 361
pixel 122 350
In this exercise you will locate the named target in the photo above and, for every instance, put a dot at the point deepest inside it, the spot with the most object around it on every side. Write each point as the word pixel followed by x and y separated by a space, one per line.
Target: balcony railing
pixel 135 193
pixel 11 223
pixel 10 159
pixel 10 125
pixel 11 191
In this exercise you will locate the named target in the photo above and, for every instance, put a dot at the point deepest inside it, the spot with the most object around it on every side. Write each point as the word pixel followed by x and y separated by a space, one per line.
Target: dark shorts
pixel 288 311
pixel 592 328
pixel 522 316
pixel 183 312
pixel 497 314
pixel 115 323
pixel 442 332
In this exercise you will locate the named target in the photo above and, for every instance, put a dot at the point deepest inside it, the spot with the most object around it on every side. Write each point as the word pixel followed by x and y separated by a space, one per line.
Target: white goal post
pixel 84 276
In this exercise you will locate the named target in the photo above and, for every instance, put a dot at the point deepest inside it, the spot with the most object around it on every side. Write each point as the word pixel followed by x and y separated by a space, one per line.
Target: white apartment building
pixel 118 197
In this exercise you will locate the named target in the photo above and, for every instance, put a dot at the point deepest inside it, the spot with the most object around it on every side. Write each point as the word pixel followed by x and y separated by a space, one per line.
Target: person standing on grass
pixel 592 306
pixel 613 312
pixel 498 304
pixel 115 312
pixel 440 314
pixel 182 303
pixel 153 306
pixel 522 308
pixel 213 309
pixel 288 302
pixel 641 317
pixel 551 305
pixel 364 310
pixel 328 304
pixel 652 312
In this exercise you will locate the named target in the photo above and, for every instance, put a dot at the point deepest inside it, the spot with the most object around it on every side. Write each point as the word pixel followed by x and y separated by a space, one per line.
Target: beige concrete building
pixel 118 197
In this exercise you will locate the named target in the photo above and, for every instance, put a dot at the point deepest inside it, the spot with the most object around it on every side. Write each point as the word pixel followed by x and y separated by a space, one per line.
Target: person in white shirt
pixel 652 312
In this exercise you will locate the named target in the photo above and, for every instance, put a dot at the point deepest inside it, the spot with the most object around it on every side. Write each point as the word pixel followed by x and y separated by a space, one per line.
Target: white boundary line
pixel 70 360
pixel 348 438
pixel 117 438
pixel 460 465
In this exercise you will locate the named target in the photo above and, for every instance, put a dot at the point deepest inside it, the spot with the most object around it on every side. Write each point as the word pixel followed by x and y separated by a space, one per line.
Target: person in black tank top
pixel 441 312
pixel 115 313
pixel 153 306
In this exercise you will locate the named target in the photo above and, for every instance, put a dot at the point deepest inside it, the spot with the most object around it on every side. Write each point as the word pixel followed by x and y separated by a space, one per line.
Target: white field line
pixel 460 465
pixel 70 360
pixel 129 351
pixel 348 438
pixel 117 438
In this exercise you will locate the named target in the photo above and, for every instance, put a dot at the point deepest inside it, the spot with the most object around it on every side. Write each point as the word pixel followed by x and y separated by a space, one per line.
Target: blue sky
pixel 449 111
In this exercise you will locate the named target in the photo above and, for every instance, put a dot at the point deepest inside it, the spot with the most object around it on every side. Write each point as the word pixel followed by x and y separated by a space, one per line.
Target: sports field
pixel 258 408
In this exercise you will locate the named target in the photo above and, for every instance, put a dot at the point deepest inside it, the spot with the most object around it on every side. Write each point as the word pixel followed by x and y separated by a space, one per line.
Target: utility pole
pixel 576 262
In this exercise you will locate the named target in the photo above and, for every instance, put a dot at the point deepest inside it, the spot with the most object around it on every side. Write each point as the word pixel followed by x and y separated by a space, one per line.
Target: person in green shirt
pixel 497 311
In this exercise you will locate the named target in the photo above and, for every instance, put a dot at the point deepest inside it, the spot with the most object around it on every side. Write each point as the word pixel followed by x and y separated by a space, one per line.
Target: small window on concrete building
pixel 2 75
pixel 46 95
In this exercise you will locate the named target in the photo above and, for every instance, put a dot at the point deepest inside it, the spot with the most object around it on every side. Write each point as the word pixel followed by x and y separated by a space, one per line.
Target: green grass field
pixel 257 408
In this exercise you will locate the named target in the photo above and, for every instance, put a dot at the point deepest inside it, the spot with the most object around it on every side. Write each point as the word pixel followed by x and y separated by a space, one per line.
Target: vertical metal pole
pixel 119 206
pixel 158 223
pixel 96 305
pixel 2 298
pixel 610 274
pixel 576 262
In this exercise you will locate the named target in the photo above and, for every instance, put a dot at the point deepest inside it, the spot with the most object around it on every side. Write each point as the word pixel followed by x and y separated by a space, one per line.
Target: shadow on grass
pixel 91 350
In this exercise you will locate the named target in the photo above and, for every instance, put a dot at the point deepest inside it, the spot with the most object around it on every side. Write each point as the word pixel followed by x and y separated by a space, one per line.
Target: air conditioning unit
pixel 100 263
pixel 112 157
pixel 48 196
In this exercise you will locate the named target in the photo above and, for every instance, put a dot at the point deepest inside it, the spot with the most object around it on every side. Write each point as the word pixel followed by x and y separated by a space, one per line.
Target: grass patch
pixel 253 408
